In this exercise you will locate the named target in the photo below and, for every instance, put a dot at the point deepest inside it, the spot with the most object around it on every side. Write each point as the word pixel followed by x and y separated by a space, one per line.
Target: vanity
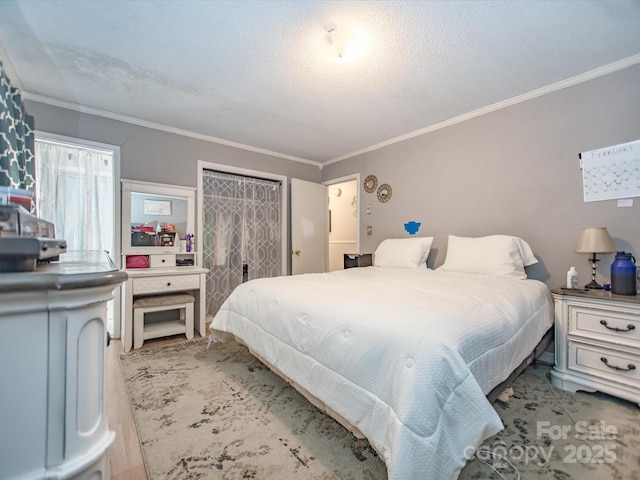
pixel 159 254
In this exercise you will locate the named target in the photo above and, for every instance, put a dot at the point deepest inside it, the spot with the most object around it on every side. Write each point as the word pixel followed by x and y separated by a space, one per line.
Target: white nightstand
pixel 597 343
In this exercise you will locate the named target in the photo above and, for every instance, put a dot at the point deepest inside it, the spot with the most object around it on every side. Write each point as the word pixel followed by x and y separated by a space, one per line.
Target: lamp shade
pixel 595 240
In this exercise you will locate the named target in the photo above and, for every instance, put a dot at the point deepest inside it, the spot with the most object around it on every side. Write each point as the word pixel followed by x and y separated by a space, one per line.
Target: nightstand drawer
pixel 169 283
pixel 621 367
pixel 618 327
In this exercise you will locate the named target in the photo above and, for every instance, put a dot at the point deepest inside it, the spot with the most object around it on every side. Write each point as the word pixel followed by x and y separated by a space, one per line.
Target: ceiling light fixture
pixel 348 44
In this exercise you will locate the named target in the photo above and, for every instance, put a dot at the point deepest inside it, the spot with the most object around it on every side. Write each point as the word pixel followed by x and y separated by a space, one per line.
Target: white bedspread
pixel 405 355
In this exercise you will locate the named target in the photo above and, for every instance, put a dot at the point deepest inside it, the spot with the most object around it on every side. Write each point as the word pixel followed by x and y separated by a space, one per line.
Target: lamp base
pixel 593 285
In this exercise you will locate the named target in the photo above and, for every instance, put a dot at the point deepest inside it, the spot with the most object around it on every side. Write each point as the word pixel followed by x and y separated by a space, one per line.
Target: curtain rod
pixel 241 176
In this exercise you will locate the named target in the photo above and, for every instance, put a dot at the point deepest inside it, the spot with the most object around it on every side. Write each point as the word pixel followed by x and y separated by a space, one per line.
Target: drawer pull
pixel 630 367
pixel 168 284
pixel 616 329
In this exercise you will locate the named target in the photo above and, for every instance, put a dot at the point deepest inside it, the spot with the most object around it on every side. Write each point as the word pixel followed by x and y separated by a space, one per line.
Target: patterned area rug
pixel 221 414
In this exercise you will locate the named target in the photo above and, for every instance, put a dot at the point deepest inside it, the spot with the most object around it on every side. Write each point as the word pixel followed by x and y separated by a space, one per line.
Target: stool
pixel 159 303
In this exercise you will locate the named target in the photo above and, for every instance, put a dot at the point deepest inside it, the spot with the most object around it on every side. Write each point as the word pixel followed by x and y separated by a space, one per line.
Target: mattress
pixel 406 356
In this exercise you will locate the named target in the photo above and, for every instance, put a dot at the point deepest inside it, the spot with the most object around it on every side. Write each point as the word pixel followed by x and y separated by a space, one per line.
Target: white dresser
pixel 597 343
pixel 53 336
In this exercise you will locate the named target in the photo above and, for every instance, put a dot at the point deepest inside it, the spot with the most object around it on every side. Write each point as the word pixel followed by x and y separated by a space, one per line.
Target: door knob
pixel 297 252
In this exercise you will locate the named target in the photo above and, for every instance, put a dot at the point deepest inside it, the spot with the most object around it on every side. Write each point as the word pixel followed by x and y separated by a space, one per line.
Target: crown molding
pixel 584 77
pixel 157 126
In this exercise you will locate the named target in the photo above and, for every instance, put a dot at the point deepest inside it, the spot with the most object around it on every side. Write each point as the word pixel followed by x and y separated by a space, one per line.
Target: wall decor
pixel 611 172
pixel 370 184
pixel 157 207
pixel 384 192
pixel 412 227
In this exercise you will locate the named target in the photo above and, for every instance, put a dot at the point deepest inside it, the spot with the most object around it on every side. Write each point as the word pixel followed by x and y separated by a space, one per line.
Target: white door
pixel 309 232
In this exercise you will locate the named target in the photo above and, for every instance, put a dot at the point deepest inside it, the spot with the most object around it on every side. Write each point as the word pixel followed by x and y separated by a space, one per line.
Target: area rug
pixel 219 413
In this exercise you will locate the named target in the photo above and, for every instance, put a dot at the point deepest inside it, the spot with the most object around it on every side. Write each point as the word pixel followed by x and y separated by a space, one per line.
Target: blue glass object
pixel 623 274
pixel 412 227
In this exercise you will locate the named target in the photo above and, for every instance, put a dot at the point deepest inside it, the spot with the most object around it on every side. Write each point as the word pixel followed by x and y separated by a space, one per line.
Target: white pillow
pixel 500 255
pixel 403 252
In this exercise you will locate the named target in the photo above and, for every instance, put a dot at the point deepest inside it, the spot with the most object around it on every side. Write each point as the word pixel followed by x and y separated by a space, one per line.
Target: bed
pixel 399 353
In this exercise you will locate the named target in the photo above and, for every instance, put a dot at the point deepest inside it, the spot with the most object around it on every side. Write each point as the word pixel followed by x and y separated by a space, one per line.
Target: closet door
pixel 242 235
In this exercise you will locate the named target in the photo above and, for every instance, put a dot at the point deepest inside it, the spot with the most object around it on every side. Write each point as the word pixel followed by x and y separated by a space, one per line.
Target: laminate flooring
pixel 125 454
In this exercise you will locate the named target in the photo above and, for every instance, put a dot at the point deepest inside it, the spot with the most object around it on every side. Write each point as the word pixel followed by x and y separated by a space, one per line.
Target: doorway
pixel 241 228
pixel 344 222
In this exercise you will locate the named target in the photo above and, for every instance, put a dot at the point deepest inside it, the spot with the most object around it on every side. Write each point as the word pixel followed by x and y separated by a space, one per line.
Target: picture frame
pixel 157 207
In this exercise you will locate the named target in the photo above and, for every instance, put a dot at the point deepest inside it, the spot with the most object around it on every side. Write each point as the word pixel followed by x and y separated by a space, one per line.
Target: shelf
pixel 164 329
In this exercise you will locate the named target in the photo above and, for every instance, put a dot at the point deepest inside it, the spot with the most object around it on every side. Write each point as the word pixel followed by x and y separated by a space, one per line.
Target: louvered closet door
pixel 242 230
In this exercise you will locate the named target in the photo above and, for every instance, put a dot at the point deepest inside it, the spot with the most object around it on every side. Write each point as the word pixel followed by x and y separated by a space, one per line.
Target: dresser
pixel 597 343
pixel 53 337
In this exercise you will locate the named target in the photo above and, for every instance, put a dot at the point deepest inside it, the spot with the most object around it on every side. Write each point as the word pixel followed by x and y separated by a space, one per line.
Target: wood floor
pixel 125 455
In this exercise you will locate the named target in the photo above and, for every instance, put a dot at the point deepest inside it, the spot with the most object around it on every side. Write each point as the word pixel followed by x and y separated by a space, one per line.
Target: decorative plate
pixel 370 184
pixel 384 192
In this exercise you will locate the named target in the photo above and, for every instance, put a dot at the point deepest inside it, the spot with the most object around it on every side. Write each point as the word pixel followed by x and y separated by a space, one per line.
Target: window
pixel 75 190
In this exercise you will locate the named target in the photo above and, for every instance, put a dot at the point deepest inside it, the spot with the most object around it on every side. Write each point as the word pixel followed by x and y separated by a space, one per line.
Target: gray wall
pixel 513 171
pixel 156 156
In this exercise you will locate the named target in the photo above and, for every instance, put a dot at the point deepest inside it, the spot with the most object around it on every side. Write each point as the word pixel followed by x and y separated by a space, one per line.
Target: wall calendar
pixel 611 172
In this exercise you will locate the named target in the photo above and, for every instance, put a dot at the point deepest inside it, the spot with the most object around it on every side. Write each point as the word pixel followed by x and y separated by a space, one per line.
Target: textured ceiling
pixel 261 73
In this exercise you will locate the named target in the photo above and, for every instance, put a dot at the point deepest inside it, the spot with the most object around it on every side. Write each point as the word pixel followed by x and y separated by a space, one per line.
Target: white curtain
pixel 242 232
pixel 74 190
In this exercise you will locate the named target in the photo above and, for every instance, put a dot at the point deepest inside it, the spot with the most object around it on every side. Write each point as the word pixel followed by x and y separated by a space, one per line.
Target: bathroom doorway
pixel 343 220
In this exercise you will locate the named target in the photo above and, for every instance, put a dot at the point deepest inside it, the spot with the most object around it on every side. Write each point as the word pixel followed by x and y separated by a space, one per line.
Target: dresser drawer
pixel 170 283
pixel 618 327
pixel 621 367
pixel 156 261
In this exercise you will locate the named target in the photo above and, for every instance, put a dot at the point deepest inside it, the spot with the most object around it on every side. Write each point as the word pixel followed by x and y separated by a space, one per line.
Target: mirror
pixel 370 184
pixel 155 217
pixel 384 192
pixel 157 220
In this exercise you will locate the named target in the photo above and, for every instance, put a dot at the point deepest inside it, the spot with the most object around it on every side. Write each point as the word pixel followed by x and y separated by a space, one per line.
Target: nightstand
pixel 597 343
pixel 358 260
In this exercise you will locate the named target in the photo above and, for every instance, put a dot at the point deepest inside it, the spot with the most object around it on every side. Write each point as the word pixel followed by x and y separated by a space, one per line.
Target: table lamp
pixel 594 240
